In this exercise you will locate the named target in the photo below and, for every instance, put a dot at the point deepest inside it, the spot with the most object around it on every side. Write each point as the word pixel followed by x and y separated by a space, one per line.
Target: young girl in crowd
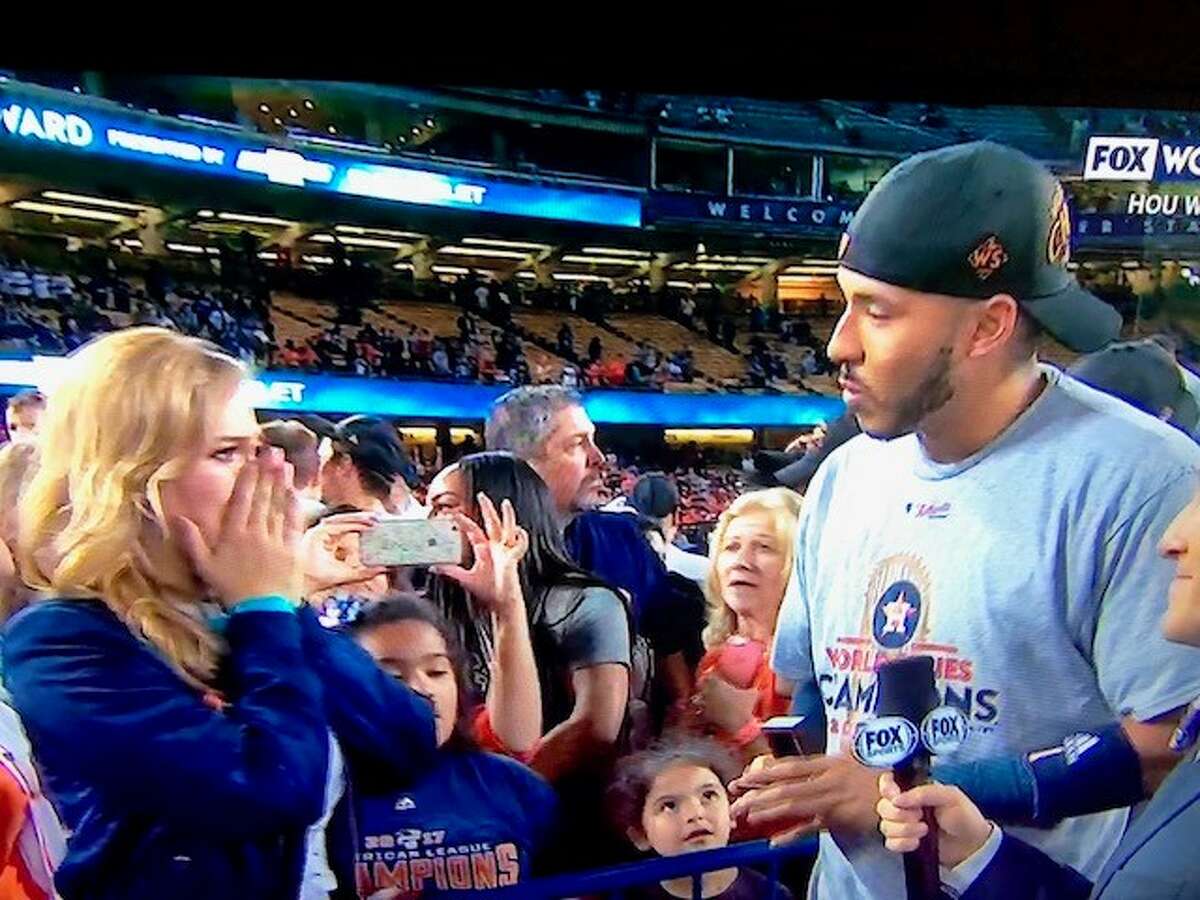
pixel 474 821
pixel 189 714
pixel 672 799
pixel 751 553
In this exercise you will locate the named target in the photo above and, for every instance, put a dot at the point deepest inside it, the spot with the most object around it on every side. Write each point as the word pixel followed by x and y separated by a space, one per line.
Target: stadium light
pixel 356 229
pixel 72 212
pixel 371 242
pixel 268 255
pixel 187 248
pixel 601 260
pixel 527 275
pixel 320 260
pixel 206 213
pixel 761 260
pixel 617 251
pixel 573 276
pixel 450 270
pixel 94 201
pixel 716 267
pixel 515 245
pixel 483 251
pixel 254 220
pixel 708 435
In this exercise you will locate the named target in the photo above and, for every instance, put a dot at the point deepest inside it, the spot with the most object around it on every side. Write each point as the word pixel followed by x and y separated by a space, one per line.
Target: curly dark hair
pixel 413 608
pixel 634 774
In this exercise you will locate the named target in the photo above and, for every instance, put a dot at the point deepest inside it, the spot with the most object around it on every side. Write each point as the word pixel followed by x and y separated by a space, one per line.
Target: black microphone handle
pixel 922 877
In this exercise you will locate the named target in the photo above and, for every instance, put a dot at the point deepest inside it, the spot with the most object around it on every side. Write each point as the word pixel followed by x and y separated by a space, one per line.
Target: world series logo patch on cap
pixel 988 257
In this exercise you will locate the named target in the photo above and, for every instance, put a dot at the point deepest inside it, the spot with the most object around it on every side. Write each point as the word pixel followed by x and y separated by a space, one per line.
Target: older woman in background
pixel 752 556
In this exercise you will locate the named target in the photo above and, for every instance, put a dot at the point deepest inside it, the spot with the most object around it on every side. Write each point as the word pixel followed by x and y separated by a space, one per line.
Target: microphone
pixel 909 725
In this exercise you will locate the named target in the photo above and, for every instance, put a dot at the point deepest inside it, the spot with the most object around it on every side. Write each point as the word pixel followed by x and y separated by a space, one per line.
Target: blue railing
pixel 614 881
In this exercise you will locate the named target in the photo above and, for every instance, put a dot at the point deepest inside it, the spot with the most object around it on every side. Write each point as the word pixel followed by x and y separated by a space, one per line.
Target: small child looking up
pixel 671 799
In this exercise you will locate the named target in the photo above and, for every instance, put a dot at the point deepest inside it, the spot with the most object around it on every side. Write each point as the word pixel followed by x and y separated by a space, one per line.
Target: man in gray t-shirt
pixel 995 515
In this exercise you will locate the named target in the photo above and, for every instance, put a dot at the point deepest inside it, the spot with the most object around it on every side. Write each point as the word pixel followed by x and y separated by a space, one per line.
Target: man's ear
pixel 995 323
pixel 638 838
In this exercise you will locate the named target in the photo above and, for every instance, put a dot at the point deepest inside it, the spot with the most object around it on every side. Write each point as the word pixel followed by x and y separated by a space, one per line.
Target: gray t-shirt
pixel 577 629
pixel 574 628
pixel 1028 571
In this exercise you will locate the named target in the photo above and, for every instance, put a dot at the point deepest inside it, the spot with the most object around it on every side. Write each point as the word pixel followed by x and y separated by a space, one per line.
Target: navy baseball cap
pixel 1144 374
pixel 655 495
pixel 372 443
pixel 975 220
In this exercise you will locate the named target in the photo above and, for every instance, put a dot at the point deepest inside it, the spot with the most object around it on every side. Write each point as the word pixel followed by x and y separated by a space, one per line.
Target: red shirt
pixel 15 881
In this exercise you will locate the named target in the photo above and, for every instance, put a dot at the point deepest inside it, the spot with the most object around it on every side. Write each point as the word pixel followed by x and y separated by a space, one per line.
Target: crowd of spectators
pixel 541 660
pixel 479 354
pixel 54 312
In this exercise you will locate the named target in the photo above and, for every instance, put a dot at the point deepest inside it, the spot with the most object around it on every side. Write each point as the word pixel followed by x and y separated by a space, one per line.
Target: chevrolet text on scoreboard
pixel 1140 159
pixel 35 118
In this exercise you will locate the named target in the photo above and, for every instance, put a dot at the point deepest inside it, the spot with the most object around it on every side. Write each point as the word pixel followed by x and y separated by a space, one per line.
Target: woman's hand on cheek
pixel 255 553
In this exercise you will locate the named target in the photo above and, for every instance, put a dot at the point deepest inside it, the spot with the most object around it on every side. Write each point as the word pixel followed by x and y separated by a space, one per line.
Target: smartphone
pixel 412 542
pixel 784 734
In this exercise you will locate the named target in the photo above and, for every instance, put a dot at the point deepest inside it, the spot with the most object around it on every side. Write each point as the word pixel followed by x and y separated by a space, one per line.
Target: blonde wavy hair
pixel 133 406
pixel 782 506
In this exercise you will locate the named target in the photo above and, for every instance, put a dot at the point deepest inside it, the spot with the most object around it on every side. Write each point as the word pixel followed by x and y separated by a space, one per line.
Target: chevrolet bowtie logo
pixel 284 167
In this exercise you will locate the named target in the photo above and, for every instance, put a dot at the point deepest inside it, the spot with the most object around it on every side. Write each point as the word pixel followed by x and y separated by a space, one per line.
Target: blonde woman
pixel 189 714
pixel 751 554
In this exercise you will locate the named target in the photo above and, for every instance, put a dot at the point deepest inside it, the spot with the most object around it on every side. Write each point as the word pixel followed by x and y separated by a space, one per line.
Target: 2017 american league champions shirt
pixel 474 822
pixel 1029 572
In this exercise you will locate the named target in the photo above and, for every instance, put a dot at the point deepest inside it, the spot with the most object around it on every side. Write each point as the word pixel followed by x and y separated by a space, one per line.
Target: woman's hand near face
pixel 256 552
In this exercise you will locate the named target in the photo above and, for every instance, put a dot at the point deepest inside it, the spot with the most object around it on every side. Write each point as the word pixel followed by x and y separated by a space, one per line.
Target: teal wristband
pixel 271 603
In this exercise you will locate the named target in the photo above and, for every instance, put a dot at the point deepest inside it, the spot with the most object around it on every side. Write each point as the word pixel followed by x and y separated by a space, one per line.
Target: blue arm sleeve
pixel 1088 772
pixel 105 712
pixel 1019 870
pixel 385 729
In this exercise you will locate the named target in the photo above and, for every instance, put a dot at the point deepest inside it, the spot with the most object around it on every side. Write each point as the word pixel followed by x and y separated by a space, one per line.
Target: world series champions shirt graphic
pixel 897 618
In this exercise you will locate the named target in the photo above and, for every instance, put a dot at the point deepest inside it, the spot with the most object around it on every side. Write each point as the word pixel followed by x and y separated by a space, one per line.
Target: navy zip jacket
pixel 167 797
